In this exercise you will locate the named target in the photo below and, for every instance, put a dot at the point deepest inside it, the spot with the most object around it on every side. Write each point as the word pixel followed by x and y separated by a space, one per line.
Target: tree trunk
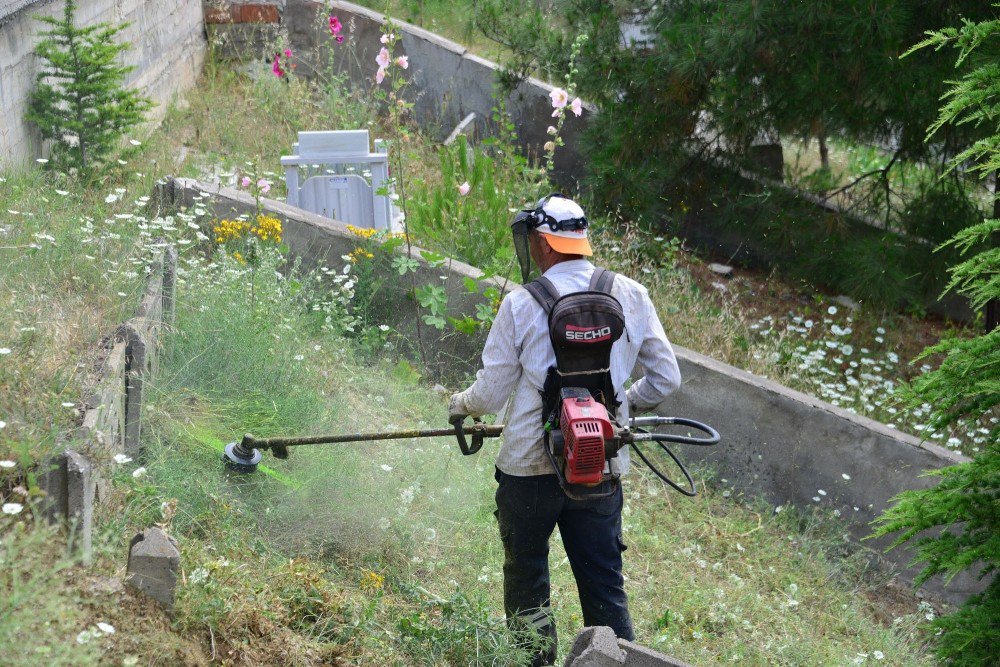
pixel 824 152
pixel 991 313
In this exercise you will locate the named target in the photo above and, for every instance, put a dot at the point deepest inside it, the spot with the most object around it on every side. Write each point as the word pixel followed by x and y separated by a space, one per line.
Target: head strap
pixel 539 217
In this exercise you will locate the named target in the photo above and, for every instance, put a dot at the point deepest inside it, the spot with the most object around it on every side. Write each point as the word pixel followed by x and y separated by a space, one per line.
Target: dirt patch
pixel 143 634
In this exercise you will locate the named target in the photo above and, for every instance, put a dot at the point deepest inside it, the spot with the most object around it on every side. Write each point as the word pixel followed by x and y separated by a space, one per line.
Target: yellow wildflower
pixel 363 232
pixel 268 229
pixel 228 230
pixel 358 254
pixel 238 256
pixel 371 581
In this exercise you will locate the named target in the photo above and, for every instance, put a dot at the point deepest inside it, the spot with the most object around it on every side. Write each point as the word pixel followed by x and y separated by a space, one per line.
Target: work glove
pixel 456 408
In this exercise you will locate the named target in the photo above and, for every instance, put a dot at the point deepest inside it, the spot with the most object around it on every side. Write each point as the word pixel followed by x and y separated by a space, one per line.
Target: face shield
pixel 522 225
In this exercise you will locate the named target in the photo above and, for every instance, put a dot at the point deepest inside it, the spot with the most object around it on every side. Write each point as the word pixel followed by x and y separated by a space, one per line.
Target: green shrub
pixel 961 514
pixel 79 101
pixel 474 227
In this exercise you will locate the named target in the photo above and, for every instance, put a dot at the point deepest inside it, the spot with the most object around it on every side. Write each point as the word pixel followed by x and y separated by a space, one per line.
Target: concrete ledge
pixel 789 447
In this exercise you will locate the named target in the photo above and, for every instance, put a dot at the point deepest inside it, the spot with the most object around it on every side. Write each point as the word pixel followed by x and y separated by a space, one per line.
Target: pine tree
pixel 79 101
pixel 966 386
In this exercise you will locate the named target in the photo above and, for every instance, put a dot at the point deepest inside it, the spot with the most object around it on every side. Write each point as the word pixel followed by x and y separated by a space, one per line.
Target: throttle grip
pixel 458 422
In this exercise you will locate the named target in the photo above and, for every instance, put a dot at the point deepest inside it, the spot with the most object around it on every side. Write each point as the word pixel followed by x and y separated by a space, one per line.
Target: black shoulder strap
pixel 602 280
pixel 545 293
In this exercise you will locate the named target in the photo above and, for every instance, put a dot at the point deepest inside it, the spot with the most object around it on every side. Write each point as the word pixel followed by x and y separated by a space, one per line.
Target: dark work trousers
pixel 528 510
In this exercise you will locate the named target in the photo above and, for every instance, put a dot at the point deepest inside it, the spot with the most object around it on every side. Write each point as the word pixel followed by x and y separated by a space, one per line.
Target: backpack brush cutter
pixel 580 449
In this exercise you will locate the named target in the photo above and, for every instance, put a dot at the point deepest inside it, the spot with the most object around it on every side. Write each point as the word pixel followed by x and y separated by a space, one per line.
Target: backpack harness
pixel 579 402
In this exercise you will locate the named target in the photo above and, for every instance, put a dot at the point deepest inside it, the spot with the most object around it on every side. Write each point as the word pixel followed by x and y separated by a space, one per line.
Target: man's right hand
pixel 456 409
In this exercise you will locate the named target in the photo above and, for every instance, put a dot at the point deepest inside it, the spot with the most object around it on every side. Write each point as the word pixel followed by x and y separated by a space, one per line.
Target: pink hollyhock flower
pixel 335 26
pixel 276 66
pixel 382 59
pixel 380 75
pixel 403 61
pixel 464 188
pixel 264 186
pixel 340 39
pixel 288 53
pixel 245 182
pixel 386 38
pixel 559 98
pixel 552 130
pixel 577 106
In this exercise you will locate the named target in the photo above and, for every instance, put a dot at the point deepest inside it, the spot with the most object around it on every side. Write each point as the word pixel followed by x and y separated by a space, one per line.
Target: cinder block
pixel 595 647
pixel 153 563
pixel 640 656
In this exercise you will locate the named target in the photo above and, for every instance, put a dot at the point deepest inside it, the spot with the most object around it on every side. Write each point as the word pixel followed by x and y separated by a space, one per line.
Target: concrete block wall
pixel 777 443
pixel 168 51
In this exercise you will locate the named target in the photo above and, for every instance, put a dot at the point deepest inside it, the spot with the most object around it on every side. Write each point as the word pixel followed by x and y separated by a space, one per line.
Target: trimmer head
pixel 241 459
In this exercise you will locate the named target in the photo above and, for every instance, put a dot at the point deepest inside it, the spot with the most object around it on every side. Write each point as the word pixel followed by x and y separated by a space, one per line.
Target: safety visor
pixel 523 223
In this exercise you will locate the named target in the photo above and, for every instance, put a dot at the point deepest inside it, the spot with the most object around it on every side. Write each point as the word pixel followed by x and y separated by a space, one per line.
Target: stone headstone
pixel 595 647
pixel 69 482
pixel 80 484
pixel 136 353
pixel 153 563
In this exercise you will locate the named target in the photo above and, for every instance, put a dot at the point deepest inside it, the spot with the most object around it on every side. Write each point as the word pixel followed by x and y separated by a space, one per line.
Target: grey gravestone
pixel 69 482
pixel 153 562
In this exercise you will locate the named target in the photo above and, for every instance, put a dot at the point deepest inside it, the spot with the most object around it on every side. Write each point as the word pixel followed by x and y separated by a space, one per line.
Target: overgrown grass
pixel 454 20
pixel 395 555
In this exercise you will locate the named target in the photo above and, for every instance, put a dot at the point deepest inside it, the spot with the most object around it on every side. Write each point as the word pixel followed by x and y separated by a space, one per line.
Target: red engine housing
pixel 585 427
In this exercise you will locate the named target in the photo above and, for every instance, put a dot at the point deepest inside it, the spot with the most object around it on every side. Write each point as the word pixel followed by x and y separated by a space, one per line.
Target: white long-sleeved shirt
pixel 518 353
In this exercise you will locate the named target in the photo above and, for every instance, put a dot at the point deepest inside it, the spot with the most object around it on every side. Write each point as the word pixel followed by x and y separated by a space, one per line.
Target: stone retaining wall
pixel 112 419
pixel 168 51
pixel 777 443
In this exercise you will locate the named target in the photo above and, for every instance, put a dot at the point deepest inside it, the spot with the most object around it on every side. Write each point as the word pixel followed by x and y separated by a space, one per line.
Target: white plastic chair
pixel 342 178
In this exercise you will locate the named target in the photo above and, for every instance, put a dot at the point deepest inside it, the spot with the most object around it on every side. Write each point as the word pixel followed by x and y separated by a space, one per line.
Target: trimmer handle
pixel 458 421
